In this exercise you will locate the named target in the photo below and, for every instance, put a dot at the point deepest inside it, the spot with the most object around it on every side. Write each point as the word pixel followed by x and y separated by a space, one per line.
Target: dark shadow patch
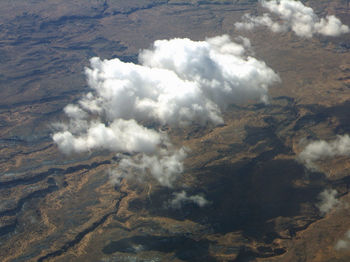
pixel 246 254
pixel 8 228
pixel 320 114
pixel 245 197
pixel 185 248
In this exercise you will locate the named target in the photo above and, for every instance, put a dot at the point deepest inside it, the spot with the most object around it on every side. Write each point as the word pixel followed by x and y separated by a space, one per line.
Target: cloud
pixel 177 82
pixel 293 15
pixel 250 22
pixel 320 150
pixel 328 200
pixel 119 136
pixel 182 198
pixel 165 165
pixel 343 243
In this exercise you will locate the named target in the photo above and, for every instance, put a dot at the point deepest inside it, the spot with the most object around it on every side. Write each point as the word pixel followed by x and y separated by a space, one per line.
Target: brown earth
pixel 263 202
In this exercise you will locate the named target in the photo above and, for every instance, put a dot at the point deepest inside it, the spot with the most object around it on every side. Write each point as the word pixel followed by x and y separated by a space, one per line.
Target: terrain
pixel 263 202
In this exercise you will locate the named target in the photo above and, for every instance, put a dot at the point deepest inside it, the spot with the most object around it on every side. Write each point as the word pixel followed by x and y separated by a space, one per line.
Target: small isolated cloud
pixel 320 150
pixel 343 243
pixel 328 200
pixel 295 16
pixel 177 82
pixel 182 198
pixel 164 165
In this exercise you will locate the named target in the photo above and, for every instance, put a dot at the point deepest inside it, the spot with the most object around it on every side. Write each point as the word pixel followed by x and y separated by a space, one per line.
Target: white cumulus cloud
pixel 320 150
pixel 177 82
pixel 328 200
pixel 343 243
pixel 182 198
pixel 164 165
pixel 295 16
pixel 119 136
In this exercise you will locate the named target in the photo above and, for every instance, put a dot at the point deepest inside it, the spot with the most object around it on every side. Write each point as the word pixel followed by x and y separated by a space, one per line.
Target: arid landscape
pixel 262 202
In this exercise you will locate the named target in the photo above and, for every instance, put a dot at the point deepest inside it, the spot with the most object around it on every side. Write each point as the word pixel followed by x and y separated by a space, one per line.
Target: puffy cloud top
pixel 182 198
pixel 120 136
pixel 177 82
pixel 321 149
pixel 295 16
pixel 328 201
